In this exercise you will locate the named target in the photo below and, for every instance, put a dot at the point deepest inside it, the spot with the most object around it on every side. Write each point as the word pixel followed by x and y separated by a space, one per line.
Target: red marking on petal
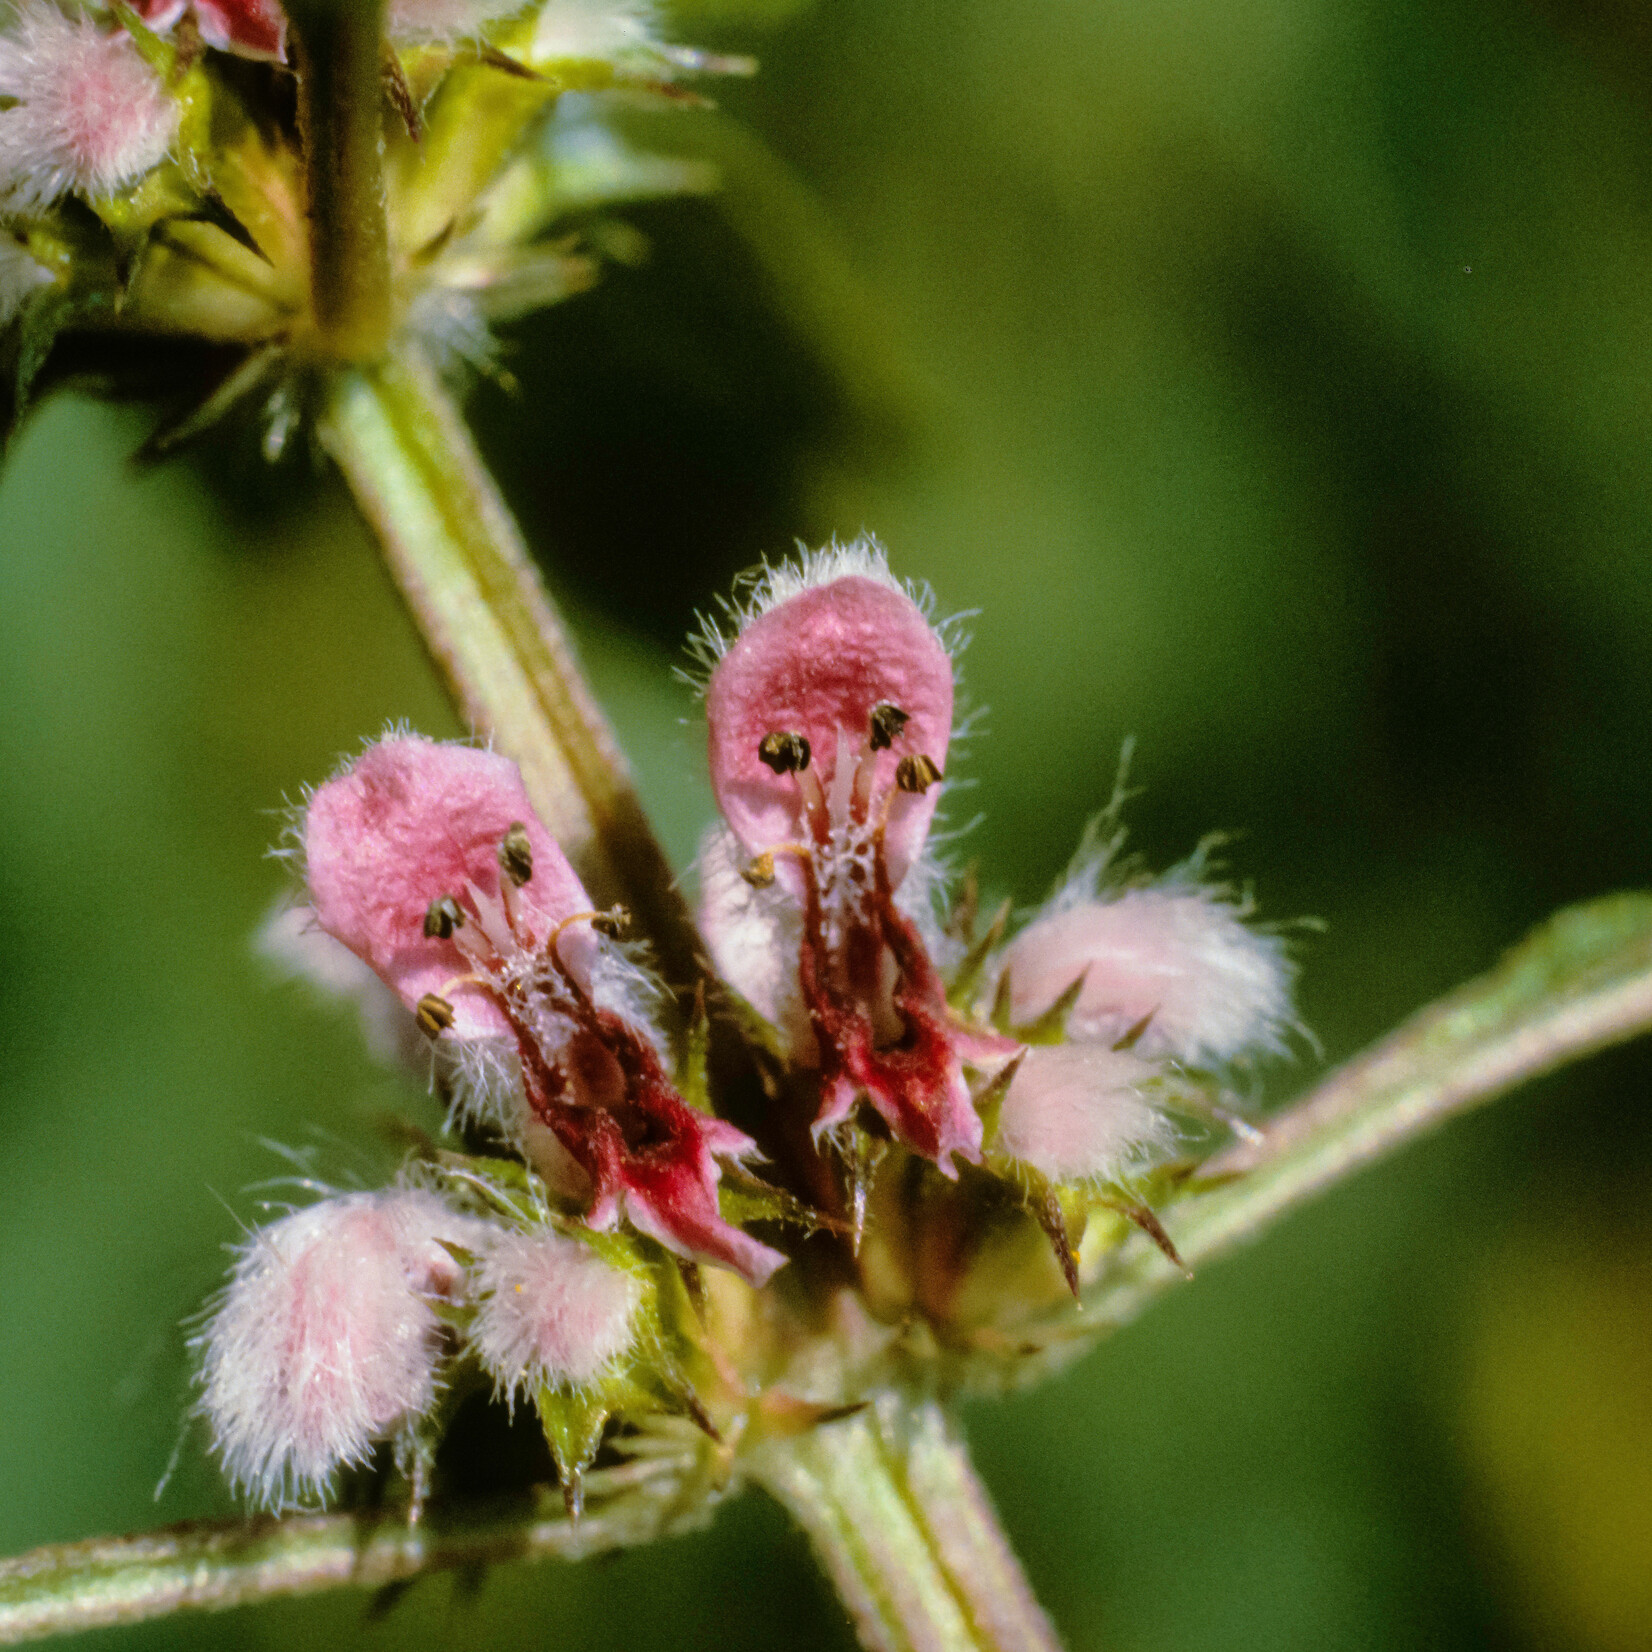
pixel 916 1083
pixel 648 1154
pixel 249 28
pixel 816 664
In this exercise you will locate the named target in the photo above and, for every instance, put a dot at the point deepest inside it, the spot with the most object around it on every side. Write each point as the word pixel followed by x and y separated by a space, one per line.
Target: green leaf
pixel 573 1424
pixel 966 983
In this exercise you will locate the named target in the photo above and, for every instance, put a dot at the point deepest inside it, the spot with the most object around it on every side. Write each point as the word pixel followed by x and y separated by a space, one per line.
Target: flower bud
pixel 1179 962
pixel 89 116
pixel 552 1313
pixel 325 1341
pixel 1081 1112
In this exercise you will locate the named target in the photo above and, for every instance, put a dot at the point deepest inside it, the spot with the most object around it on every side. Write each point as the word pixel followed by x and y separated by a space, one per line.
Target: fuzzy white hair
pixel 89 116
pixel 324 1341
pixel 552 1313
pixel 770 584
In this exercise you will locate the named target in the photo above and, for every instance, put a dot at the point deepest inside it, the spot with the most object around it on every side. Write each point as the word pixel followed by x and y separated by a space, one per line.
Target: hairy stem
pixel 338 48
pixel 906 1532
pixel 458 557
pixel 206 1566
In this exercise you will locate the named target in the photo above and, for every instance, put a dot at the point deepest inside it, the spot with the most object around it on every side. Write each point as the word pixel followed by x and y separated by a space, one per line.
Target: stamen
pixel 917 773
pixel 613 923
pixel 516 854
pixel 784 751
pixel 445 916
pixel 759 873
pixel 887 721
pixel 434 1014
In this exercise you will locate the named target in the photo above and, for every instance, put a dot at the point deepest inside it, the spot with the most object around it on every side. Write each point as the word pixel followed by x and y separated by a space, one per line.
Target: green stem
pixel 338 46
pixel 458 557
pixel 205 1566
pixel 906 1532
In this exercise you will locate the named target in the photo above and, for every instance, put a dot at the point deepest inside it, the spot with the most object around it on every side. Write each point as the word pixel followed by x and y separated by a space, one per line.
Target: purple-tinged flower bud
pixel 1081 1112
pixel 325 1340
pixel 552 1313
pixel 1179 962
pixel 89 116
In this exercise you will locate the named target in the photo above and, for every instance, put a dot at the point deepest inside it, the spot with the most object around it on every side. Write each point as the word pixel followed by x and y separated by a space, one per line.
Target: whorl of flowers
pixel 929 1095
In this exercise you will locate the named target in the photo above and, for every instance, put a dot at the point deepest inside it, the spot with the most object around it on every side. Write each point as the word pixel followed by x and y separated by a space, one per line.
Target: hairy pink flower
pixel 1181 960
pixel 429 863
pixel 830 714
pixel 325 1340
pixel 89 116
pixel 552 1313
pixel 249 28
pixel 1079 1112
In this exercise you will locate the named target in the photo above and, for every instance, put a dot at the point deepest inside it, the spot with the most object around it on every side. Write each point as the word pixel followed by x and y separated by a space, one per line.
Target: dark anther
pixel 917 773
pixel 443 917
pixel 613 923
pixel 887 723
pixel 760 873
pixel 434 1014
pixel 784 752
pixel 516 854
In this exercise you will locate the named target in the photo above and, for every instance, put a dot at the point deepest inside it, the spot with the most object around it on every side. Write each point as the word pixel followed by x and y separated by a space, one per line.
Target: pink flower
pixel 325 1340
pixel 89 116
pixel 552 1313
pixel 249 28
pixel 428 862
pixel 830 715
pixel 1179 959
pixel 1082 1112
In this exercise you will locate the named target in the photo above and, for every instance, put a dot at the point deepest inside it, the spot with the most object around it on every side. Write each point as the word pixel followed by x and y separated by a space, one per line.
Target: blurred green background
pixel 1275 377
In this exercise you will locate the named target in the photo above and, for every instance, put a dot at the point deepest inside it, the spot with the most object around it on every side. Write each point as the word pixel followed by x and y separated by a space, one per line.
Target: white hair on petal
pixel 552 1313
pixel 482 1079
pixel 324 1341
pixel 770 584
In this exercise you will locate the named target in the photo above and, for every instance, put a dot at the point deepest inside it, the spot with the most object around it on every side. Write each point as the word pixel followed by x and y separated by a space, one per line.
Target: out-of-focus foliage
pixel 1273 375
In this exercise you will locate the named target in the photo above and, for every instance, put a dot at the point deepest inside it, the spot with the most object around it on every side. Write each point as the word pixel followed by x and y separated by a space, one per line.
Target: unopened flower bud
pixel 1081 1112
pixel 325 1340
pixel 1203 986
pixel 552 1313
pixel 88 116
